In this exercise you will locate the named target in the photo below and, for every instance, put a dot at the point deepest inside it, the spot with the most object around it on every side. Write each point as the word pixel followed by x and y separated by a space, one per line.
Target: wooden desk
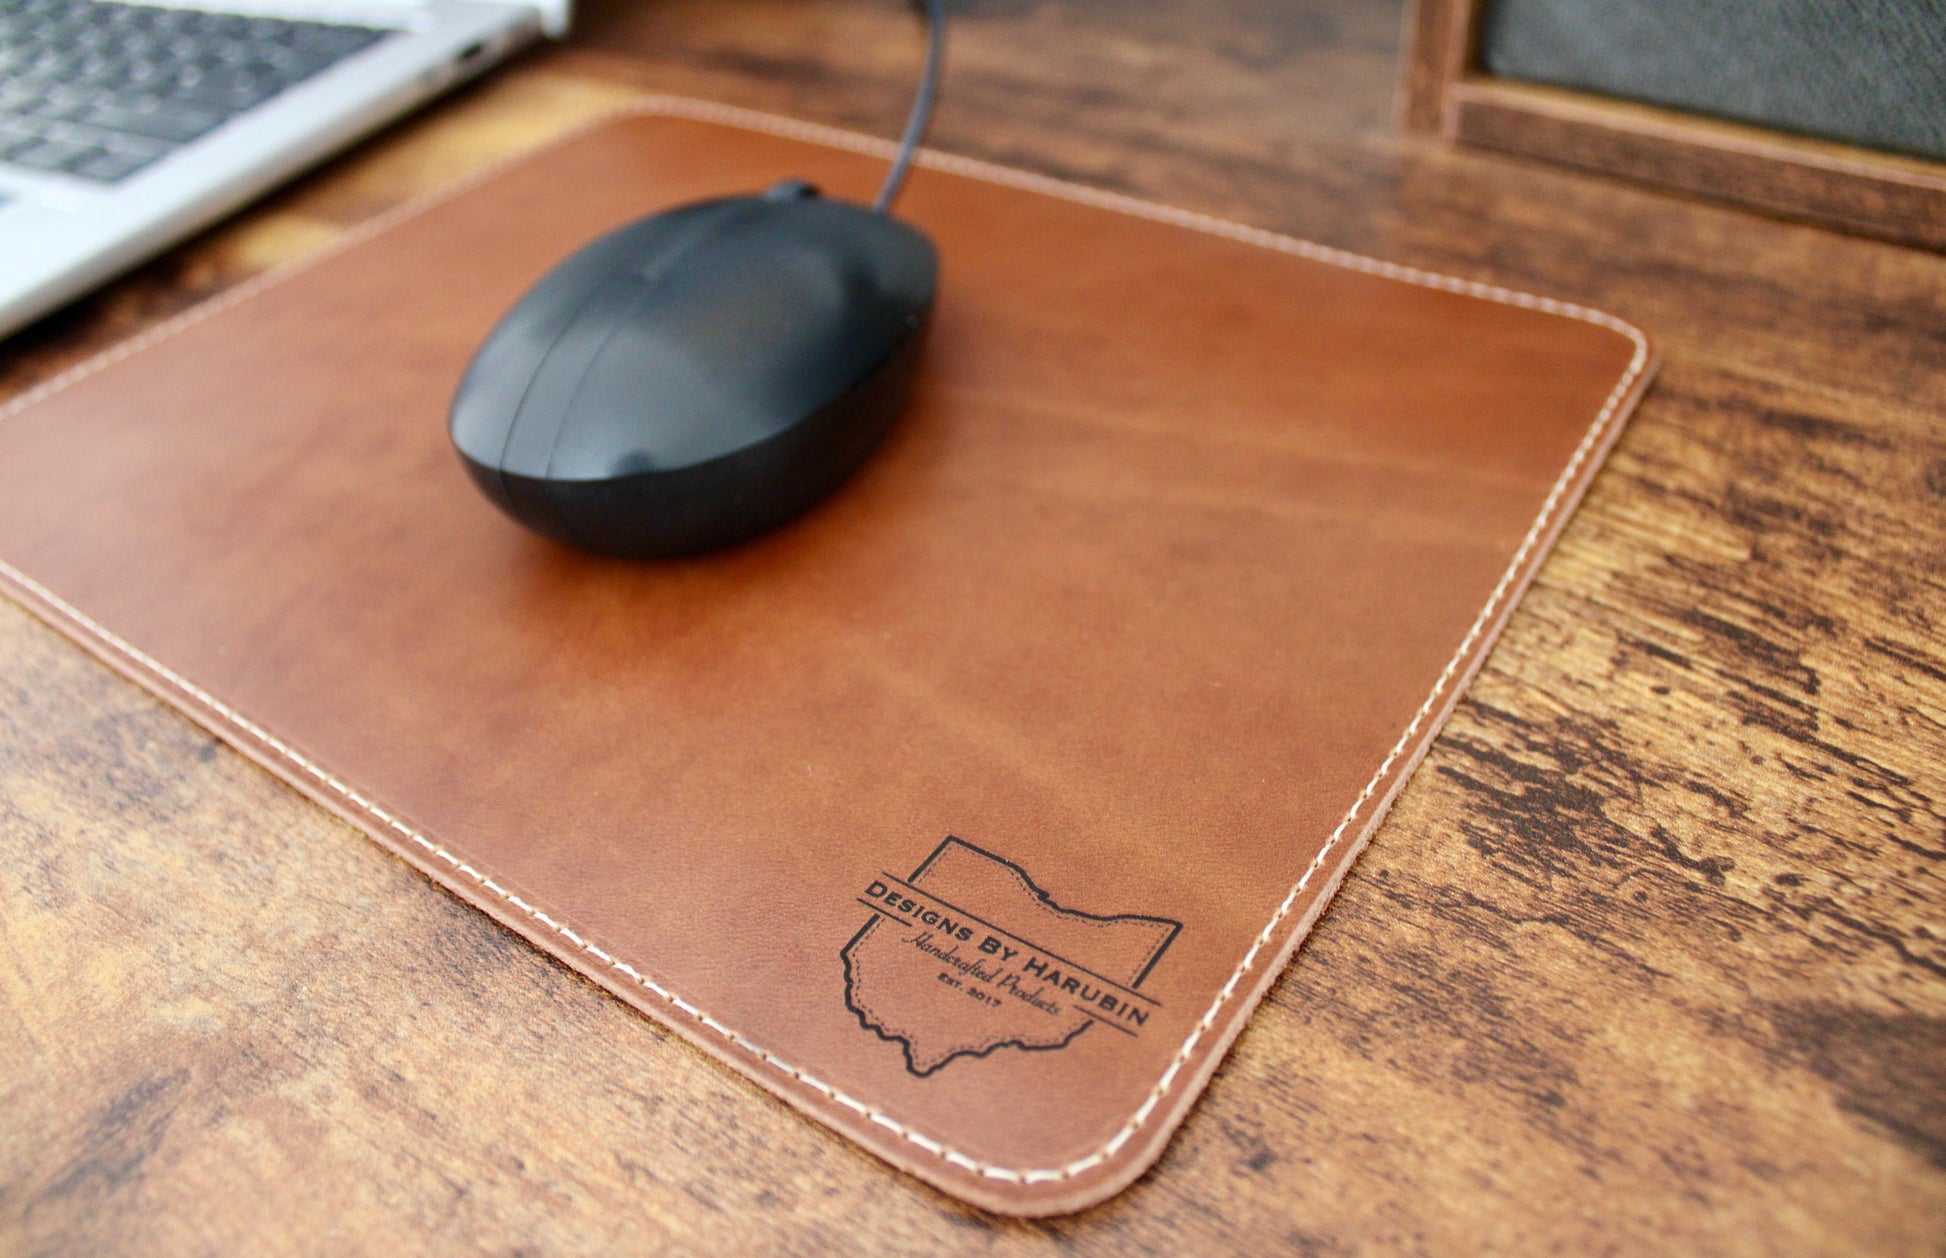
pixel 1650 957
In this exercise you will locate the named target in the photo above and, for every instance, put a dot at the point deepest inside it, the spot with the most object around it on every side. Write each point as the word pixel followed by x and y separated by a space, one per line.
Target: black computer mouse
pixel 699 376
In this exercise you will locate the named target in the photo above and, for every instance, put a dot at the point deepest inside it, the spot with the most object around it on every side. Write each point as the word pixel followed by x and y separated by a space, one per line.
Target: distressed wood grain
pixel 1651 955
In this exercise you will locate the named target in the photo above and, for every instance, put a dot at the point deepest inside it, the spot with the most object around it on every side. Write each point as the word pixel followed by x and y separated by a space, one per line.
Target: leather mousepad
pixel 971 813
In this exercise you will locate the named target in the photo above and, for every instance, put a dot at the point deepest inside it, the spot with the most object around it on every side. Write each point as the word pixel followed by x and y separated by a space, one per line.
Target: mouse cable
pixel 915 124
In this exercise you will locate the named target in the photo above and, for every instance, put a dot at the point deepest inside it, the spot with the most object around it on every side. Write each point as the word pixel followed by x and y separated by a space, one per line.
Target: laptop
pixel 125 127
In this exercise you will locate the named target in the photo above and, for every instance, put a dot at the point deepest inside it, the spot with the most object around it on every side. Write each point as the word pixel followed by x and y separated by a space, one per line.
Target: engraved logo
pixel 966 955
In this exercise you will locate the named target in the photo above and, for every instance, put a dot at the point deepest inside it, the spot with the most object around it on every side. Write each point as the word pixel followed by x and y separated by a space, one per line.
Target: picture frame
pixel 1447 91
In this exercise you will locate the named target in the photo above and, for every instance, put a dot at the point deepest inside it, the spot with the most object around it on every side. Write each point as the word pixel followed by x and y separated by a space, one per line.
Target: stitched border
pixel 703 111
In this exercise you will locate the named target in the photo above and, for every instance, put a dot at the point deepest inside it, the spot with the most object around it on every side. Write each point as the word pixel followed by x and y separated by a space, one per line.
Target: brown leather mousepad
pixel 971 813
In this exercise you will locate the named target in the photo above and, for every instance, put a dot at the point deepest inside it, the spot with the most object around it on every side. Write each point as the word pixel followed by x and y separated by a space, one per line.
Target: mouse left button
pixel 490 393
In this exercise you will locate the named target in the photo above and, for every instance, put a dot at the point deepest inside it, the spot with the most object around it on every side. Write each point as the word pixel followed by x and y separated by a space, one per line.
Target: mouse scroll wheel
pixel 791 190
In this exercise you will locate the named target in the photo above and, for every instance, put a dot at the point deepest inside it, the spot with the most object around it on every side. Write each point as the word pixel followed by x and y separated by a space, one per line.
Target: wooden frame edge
pixel 1444 91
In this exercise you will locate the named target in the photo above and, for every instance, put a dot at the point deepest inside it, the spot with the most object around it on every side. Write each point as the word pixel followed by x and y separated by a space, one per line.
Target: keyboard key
pixel 159 120
pixel 110 167
pixel 51 155
pixel 337 41
pixel 232 93
pixel 13 142
pixel 101 137
pixel 55 106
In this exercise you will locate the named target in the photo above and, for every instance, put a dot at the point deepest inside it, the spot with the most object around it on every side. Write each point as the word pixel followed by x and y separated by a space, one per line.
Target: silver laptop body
pixel 94 179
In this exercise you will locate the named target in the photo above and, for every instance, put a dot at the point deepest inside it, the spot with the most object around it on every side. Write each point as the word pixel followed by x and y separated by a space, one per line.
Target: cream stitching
pixel 729 116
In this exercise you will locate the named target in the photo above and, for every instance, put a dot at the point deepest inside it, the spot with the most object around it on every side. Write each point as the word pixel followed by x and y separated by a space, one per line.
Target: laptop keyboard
pixel 101 90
